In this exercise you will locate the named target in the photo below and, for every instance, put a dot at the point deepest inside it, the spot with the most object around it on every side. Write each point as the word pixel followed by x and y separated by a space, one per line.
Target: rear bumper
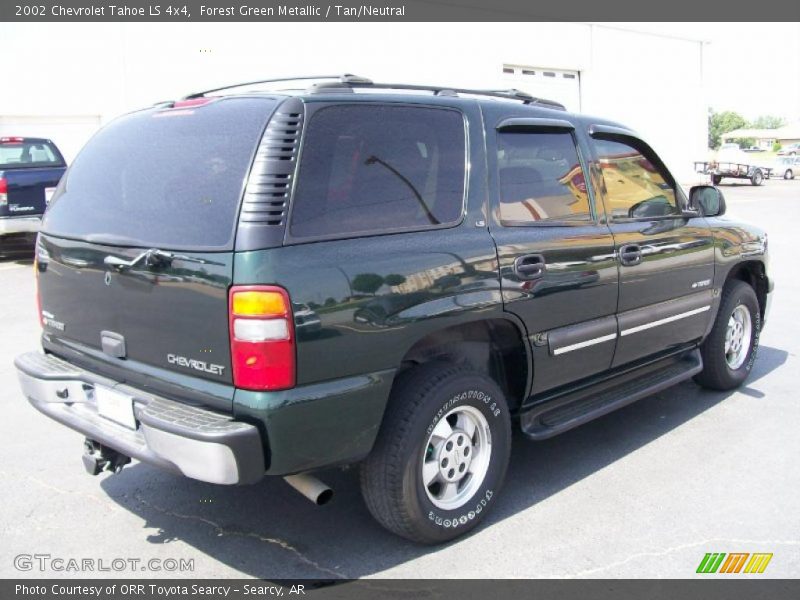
pixel 185 439
pixel 9 225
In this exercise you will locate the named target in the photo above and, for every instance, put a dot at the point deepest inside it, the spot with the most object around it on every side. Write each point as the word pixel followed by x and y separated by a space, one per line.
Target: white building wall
pixel 649 82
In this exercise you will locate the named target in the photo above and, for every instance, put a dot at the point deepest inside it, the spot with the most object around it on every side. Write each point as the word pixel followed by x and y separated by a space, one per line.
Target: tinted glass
pixel 18 155
pixel 541 178
pixel 163 178
pixel 368 168
pixel 635 187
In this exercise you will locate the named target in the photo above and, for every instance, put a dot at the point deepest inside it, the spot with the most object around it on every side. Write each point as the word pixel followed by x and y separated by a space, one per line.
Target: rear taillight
pixel 3 192
pixel 262 337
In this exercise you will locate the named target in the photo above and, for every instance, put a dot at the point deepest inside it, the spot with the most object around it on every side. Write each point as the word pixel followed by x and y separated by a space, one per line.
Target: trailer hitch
pixel 98 458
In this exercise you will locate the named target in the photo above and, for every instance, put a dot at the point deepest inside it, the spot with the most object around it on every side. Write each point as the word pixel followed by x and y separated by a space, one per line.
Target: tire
pixel 720 372
pixel 431 397
pixel 757 178
pixel 789 174
pixel 716 179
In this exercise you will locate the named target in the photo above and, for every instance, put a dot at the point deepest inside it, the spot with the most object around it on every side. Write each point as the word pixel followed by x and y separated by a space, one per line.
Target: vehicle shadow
pixel 17 251
pixel 269 531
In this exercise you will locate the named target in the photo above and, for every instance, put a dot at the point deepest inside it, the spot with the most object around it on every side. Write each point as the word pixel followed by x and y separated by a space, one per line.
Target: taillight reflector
pixel 262 338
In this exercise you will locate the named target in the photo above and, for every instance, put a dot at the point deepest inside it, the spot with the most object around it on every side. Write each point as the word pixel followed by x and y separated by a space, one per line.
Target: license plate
pixel 48 194
pixel 115 406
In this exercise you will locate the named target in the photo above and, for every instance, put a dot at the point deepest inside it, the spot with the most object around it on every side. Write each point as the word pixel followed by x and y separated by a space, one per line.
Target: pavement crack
pixel 223 531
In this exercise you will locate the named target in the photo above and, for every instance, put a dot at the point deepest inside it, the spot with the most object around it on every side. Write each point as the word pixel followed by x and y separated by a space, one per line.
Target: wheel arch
pixel 753 273
pixel 495 347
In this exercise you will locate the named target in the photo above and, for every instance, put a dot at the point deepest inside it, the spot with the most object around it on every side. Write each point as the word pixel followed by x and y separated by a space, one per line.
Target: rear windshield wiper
pixel 153 258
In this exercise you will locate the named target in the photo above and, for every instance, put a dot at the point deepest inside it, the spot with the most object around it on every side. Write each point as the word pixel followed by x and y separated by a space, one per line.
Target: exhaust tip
pixel 310 487
pixel 324 497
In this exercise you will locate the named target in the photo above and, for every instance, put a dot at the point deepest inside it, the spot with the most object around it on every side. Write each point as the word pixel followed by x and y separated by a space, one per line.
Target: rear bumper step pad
pixel 190 440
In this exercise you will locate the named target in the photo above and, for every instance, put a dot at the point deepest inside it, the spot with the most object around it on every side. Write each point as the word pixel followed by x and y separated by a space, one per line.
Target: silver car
pixel 786 167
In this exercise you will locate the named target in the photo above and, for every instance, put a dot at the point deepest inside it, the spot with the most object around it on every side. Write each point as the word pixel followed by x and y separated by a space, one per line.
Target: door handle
pixel 530 266
pixel 630 254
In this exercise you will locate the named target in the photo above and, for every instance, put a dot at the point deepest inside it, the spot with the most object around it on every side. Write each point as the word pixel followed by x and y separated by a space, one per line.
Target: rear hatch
pixel 30 169
pixel 136 251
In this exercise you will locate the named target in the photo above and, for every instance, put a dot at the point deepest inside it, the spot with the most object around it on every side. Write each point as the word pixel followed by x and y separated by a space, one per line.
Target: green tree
pixel 768 122
pixel 394 279
pixel 367 283
pixel 720 124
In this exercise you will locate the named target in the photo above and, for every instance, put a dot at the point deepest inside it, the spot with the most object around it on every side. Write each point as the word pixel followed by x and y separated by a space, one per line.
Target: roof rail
pixel 342 79
pixel 348 82
pixel 510 94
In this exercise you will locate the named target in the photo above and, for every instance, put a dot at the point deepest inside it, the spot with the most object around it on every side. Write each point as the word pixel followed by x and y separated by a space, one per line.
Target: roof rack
pixel 340 79
pixel 348 81
pixel 510 94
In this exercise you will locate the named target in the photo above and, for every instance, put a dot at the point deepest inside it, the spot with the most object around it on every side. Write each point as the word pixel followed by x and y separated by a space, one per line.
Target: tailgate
pixel 162 328
pixel 29 190
pixel 136 247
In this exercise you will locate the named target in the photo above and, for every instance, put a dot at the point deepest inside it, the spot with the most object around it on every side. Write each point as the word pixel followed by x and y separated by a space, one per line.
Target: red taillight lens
pixel 3 192
pixel 262 337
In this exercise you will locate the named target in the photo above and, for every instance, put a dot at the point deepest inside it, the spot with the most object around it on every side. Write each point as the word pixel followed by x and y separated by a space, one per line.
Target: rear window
pixel 378 168
pixel 541 179
pixel 29 153
pixel 168 178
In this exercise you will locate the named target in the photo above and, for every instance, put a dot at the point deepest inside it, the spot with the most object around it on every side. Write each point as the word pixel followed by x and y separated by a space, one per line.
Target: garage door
pixel 68 132
pixel 553 84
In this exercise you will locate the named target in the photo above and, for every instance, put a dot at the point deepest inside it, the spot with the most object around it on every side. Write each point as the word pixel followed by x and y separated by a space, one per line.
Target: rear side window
pixel 375 168
pixel 22 154
pixel 541 179
pixel 166 178
pixel 635 187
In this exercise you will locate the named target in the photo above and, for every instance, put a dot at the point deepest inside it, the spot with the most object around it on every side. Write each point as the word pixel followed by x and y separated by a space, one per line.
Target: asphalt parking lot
pixel 643 492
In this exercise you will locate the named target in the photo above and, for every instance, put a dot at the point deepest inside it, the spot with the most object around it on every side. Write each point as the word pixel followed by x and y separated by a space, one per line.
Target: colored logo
pixel 735 562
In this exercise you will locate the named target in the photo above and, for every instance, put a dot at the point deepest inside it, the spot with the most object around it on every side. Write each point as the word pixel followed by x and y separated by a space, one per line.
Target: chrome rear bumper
pixel 190 440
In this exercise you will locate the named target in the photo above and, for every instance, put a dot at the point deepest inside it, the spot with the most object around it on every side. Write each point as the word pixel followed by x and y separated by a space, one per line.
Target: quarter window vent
pixel 266 197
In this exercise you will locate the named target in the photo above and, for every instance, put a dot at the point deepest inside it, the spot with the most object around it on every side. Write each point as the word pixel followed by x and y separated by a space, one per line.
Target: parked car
pixel 754 149
pixel 30 169
pixel 475 279
pixel 787 166
pixel 790 150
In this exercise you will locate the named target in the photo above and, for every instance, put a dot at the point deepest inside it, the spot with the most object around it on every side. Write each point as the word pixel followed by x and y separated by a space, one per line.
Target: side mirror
pixel 708 199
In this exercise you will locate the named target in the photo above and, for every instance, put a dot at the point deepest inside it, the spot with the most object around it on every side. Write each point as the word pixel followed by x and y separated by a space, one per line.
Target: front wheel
pixel 716 179
pixel 729 351
pixel 441 454
pixel 757 178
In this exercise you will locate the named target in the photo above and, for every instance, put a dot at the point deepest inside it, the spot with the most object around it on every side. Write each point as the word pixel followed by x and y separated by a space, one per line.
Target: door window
pixel 541 179
pixel 635 186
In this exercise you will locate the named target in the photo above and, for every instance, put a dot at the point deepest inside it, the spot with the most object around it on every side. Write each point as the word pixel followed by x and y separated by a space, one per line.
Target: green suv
pixel 257 283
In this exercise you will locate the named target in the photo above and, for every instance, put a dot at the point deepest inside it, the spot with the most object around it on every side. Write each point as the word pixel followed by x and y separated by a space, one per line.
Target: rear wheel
pixel 441 455
pixel 757 178
pixel 789 174
pixel 730 349
pixel 715 179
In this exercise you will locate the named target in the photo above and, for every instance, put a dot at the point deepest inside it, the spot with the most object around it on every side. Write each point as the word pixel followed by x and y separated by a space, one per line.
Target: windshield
pixel 165 178
pixel 20 153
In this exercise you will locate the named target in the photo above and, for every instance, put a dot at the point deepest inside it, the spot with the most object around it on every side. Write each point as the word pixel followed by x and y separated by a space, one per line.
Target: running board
pixel 561 413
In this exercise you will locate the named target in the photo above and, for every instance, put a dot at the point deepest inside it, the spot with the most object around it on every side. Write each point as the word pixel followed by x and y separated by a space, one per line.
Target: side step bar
pixel 570 410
